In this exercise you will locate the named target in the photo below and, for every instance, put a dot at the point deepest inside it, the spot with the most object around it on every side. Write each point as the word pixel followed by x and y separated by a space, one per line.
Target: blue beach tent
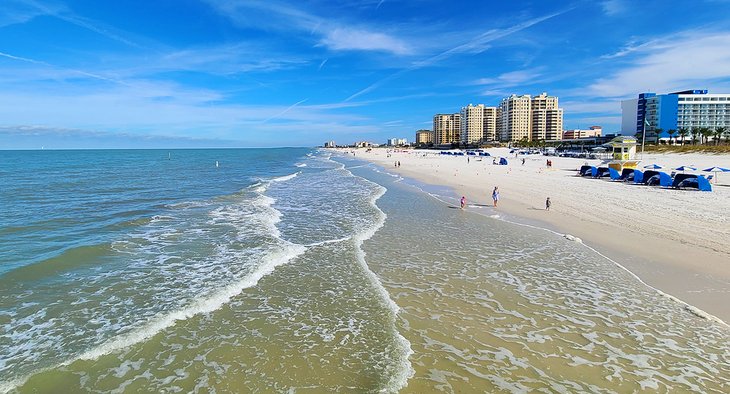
pixel 502 161
pixel 665 180
pixel 703 184
pixel 638 176
pixel 615 176
pixel 594 171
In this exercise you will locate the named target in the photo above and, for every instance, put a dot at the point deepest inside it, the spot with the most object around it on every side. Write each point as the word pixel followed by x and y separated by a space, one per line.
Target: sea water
pixel 292 270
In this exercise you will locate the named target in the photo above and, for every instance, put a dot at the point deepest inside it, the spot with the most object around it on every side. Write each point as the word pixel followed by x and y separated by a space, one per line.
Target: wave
pixel 286 177
pixel 300 165
pixel 399 377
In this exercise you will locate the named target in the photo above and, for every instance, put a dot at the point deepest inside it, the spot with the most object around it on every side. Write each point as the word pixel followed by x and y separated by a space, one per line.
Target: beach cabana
pixel 662 179
pixel 584 170
pixel 692 181
pixel 603 172
pixel 638 176
pixel 627 174
pixel 502 161
pixel 615 175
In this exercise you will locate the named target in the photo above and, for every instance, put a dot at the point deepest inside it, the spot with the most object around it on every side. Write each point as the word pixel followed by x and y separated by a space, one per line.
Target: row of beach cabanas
pixel 652 175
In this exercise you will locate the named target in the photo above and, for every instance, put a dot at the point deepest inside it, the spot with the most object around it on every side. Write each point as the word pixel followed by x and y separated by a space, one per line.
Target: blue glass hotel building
pixel 690 108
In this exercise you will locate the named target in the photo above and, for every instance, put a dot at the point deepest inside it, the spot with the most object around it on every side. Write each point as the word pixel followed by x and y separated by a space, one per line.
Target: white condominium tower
pixel 514 118
pixel 478 124
pixel 547 118
pixel 531 118
pixel 446 128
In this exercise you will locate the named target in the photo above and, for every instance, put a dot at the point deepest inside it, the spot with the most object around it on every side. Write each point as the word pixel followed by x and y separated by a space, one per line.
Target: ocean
pixel 301 271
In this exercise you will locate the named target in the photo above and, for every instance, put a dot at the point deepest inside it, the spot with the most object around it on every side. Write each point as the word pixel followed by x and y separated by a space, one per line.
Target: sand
pixel 677 241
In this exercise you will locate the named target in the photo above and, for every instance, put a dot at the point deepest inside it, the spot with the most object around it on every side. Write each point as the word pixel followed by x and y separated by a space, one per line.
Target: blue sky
pixel 234 73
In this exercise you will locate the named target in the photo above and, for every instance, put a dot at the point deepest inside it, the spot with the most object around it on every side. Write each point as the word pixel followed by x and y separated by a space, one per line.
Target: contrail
pixel 42 63
pixel 477 43
pixel 285 111
pixel 322 64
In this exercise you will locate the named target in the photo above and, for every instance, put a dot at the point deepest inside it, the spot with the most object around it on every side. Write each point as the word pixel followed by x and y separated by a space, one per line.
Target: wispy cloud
pixel 476 45
pixel 21 11
pixel 79 72
pixel 613 7
pixel 363 40
pixel 512 78
pixel 691 59
pixel 332 34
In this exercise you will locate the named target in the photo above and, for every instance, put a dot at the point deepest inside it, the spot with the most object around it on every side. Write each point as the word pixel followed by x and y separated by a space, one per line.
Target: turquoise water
pixel 287 270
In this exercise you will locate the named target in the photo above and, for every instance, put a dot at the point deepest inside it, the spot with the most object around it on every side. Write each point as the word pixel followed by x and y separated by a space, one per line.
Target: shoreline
pixel 694 273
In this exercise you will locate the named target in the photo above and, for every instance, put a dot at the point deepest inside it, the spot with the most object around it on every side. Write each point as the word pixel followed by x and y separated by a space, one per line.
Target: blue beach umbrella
pixel 716 170
pixel 686 168
pixel 654 166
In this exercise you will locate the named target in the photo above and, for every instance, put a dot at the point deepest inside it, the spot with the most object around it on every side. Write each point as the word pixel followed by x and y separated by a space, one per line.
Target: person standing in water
pixel 463 202
pixel 495 195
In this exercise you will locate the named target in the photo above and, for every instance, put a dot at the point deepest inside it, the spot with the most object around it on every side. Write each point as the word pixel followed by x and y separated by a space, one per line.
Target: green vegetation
pixel 718 149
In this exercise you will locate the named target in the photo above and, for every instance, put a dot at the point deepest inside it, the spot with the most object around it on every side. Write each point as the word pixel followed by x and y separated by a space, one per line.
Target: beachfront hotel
pixel 530 117
pixel 424 137
pixel 593 131
pixel 446 128
pixel 690 109
pixel 514 118
pixel 478 124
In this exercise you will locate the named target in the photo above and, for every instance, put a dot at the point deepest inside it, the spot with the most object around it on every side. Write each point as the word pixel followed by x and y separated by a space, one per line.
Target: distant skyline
pixel 233 73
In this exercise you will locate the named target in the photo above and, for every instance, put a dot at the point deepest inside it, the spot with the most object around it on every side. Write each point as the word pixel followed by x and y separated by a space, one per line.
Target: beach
pixel 677 241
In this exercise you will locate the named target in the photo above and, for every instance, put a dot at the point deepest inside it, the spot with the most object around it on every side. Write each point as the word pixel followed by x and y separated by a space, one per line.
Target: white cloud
pixel 613 7
pixel 334 35
pixel 511 78
pixel 686 61
pixel 357 39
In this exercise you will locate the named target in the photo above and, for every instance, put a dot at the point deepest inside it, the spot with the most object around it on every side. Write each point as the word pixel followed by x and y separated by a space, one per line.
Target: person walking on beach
pixel 547 204
pixel 495 195
pixel 523 161
pixel 463 202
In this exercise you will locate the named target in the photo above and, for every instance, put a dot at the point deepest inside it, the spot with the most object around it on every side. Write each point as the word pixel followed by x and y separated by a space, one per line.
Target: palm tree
pixel 727 136
pixel 719 131
pixel 658 132
pixel 671 132
pixel 683 132
pixel 705 132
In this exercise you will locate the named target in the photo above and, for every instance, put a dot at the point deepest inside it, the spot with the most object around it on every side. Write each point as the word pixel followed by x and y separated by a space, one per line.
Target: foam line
pixel 198 307
pixel 399 379
pixel 286 177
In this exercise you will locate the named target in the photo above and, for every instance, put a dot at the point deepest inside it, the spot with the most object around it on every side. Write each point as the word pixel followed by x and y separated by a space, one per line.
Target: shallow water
pixel 285 271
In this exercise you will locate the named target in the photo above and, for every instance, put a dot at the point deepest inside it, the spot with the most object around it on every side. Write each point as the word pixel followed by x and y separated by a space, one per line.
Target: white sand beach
pixel 677 241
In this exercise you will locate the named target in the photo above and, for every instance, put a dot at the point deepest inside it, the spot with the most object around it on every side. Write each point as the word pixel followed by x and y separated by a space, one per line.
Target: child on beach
pixel 495 195
pixel 463 202
pixel 547 204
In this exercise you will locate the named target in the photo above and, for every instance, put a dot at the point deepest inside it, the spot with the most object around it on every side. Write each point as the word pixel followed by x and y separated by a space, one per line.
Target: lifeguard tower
pixel 623 153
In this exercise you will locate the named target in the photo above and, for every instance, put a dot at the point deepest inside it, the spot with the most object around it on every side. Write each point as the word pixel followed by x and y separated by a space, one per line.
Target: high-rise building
pixel 330 144
pixel 547 118
pixel 446 128
pixel 531 118
pixel 478 124
pixel 690 109
pixel 424 137
pixel 514 118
